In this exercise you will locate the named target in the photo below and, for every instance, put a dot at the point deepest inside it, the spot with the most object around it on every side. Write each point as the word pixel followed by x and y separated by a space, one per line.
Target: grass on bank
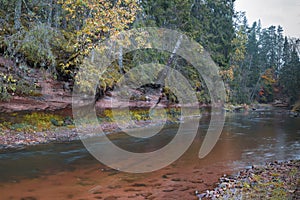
pixel 43 121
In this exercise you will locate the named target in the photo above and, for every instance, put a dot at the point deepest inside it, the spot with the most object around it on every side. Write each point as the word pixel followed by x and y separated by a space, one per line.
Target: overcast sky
pixel 273 12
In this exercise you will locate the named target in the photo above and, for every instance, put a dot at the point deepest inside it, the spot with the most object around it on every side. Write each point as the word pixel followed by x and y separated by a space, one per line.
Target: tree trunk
pixel 165 71
pixel 50 12
pixel 120 60
pixel 18 12
pixel 163 75
pixel 57 11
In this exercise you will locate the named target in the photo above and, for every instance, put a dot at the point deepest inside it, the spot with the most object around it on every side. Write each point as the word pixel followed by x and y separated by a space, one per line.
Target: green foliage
pixel 213 28
pixel 11 85
pixel 37 45
pixel 260 59
pixel 4 95
pixel 22 127
pixel 208 22
pixel 7 85
pixel 26 88
pixel 172 114
pixel 57 35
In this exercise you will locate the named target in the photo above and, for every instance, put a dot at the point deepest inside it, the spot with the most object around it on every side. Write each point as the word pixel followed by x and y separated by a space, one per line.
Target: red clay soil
pixel 52 96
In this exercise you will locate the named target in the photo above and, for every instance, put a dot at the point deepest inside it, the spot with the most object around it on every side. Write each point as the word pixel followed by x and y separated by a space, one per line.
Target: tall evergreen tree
pixel 213 24
pixel 286 55
pixel 252 55
pixel 238 85
pixel 279 48
pixel 290 75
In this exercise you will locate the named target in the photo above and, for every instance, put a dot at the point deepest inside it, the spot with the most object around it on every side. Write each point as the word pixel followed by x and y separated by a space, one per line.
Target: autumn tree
pixel 236 76
pixel 88 22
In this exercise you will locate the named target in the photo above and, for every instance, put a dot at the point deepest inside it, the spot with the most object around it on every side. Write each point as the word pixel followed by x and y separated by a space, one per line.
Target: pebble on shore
pixel 275 180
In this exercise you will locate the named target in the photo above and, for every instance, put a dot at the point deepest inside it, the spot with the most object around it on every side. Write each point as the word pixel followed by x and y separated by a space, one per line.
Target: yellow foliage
pixel 94 20
pixel 239 43
pixel 268 77
pixel 42 121
pixel 227 74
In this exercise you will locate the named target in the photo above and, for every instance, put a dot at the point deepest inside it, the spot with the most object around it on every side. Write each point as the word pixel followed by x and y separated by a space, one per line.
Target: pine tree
pixel 213 24
pixel 290 75
pixel 286 55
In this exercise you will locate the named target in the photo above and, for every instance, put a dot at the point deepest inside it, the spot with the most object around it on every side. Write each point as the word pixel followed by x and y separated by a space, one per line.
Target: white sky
pixel 273 12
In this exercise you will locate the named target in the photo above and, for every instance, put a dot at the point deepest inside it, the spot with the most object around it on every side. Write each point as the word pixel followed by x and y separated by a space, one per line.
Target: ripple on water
pixel 269 155
pixel 74 158
pixel 249 153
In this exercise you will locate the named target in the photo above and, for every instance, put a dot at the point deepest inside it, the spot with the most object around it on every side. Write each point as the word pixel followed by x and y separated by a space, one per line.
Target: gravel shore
pixel 20 140
pixel 17 140
pixel 275 180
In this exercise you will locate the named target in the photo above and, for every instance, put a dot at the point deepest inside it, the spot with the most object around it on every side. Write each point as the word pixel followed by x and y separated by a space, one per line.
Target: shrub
pixel 9 85
pixel 37 45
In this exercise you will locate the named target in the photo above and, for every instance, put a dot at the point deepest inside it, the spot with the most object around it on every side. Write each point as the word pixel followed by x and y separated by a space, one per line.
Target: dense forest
pixel 257 64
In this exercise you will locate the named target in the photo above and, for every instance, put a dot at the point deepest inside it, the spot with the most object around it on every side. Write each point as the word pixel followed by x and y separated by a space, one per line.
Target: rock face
pixel 51 96
pixel 280 103
pixel 56 95
pixel 296 107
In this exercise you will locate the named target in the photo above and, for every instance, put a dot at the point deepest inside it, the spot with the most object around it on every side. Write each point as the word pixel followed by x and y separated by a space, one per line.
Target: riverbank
pixel 10 139
pixel 275 180
pixel 21 129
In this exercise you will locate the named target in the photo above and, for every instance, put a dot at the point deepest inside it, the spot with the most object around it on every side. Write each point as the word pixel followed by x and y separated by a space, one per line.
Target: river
pixel 68 171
